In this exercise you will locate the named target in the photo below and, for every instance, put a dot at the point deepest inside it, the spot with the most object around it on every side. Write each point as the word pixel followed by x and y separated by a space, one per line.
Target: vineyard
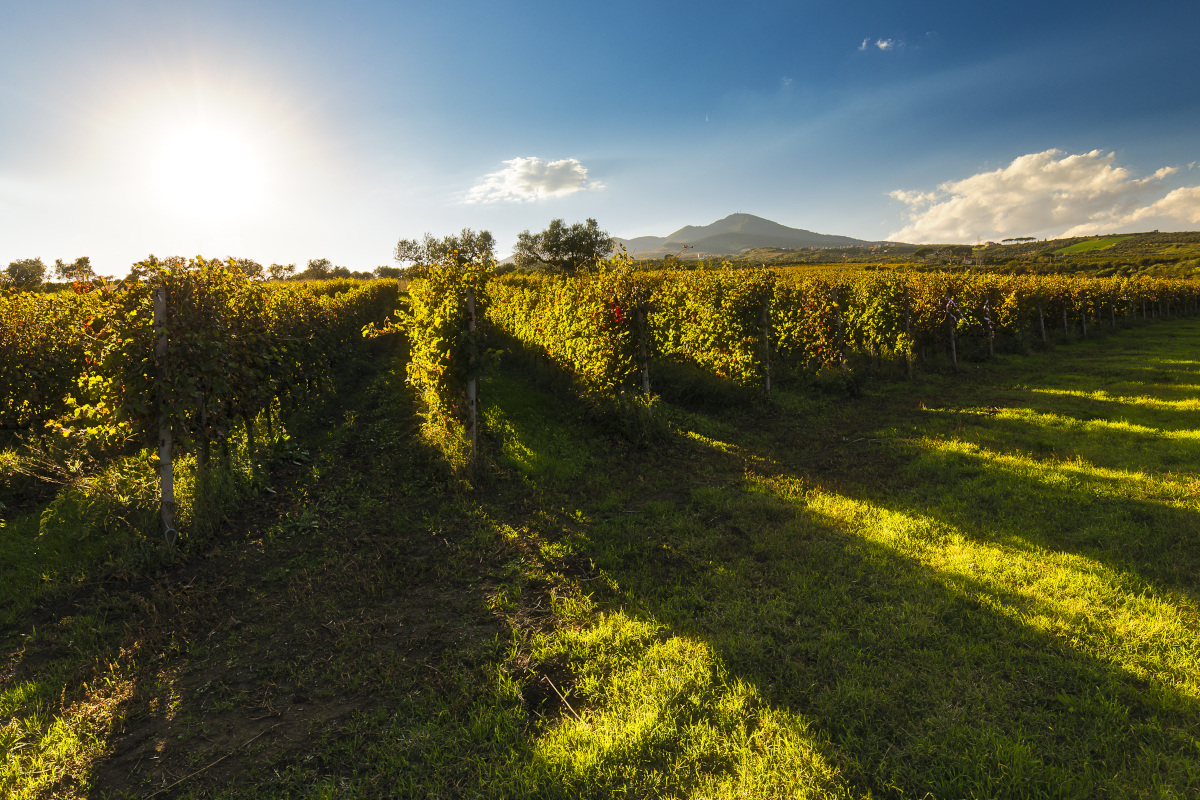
pixel 611 332
pixel 185 352
pixel 906 544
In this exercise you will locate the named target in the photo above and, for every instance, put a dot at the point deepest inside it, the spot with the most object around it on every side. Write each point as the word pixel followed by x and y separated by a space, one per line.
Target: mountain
pixel 730 236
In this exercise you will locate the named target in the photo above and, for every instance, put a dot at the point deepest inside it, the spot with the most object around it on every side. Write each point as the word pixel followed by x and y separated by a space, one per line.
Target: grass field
pixel 1091 244
pixel 976 584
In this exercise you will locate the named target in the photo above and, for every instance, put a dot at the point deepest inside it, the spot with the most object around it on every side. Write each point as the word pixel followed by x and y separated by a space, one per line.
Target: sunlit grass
pixel 660 715
pixel 45 744
pixel 1095 608
pixel 979 585
pixel 1191 404
pixel 1178 490
pixel 1007 613
pixel 1092 244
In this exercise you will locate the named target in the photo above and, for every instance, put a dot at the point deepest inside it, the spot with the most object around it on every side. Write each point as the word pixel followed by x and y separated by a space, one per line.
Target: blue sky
pixel 288 131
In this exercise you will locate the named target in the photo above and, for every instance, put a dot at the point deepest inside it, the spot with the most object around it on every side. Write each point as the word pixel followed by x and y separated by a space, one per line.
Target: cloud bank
pixel 525 179
pixel 1049 193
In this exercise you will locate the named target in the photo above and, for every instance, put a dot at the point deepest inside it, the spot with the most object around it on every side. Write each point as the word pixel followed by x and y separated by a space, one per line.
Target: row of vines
pixel 186 349
pixel 607 329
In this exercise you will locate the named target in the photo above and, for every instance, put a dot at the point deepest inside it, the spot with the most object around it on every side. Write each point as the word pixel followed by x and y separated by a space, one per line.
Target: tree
pixel 562 248
pixel 387 272
pixel 468 244
pixel 26 272
pixel 251 269
pixel 960 251
pixel 281 272
pixel 78 270
pixel 318 269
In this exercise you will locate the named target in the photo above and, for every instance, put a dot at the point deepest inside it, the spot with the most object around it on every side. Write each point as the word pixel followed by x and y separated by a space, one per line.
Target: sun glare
pixel 209 172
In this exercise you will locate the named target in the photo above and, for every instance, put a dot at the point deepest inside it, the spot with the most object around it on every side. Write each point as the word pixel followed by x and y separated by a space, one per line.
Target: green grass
pixel 1091 244
pixel 978 584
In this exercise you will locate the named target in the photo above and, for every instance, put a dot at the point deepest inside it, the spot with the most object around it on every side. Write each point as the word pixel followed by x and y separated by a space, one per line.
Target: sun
pixel 209 172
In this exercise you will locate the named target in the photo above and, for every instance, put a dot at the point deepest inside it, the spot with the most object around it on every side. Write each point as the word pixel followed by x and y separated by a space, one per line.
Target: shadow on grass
pixel 1119 495
pixel 241 657
pixel 921 679
pixel 885 623
pixel 963 626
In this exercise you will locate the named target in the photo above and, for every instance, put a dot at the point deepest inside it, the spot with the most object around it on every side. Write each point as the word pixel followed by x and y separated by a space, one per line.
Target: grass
pixel 1091 244
pixel 978 584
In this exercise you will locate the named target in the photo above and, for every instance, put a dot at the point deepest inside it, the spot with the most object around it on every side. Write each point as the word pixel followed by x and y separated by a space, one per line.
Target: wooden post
pixel 472 380
pixel 841 328
pixel 953 325
pixel 166 472
pixel 1083 320
pixel 202 459
pixel 907 314
pixel 251 444
pixel 991 326
pixel 1041 322
pixel 643 351
pixel 766 332
pixel 1066 326
pixel 908 357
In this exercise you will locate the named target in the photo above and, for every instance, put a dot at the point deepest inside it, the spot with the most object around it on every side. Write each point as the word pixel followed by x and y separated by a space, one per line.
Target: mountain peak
pixel 731 235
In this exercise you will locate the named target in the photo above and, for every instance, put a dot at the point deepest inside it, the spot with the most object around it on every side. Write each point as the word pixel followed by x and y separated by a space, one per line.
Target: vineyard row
pixel 180 351
pixel 608 329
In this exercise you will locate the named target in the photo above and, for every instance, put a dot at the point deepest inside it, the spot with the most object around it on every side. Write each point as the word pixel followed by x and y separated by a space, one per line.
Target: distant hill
pixel 732 235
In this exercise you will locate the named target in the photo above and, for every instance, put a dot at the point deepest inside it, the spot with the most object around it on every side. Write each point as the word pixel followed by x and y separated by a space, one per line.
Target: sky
pixel 289 131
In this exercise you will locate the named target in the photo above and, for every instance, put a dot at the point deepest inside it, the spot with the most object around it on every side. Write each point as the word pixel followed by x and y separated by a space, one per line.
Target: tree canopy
pixel 26 272
pixel 249 267
pixel 318 269
pixel 78 270
pixel 468 244
pixel 563 248
pixel 387 272
pixel 281 272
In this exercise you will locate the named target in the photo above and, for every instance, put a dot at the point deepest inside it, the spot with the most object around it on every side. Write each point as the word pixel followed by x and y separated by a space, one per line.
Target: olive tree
pixel 562 247
pixel 281 272
pixel 318 269
pixel 26 272
pixel 468 244
pixel 249 267
pixel 78 270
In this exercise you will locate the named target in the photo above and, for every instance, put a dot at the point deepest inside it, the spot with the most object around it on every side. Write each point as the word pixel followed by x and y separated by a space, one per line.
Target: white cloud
pixel 527 179
pixel 1050 193
pixel 1182 205
pixel 1158 175
pixel 882 44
